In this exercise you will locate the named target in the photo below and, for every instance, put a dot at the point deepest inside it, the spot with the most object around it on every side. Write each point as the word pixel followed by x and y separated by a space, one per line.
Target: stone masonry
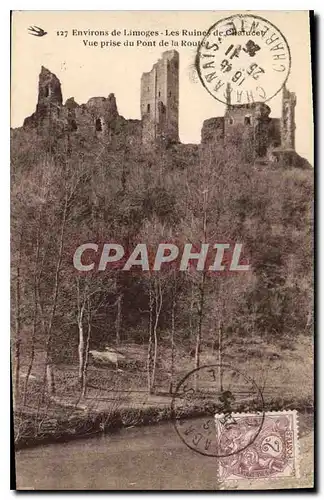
pixel 245 126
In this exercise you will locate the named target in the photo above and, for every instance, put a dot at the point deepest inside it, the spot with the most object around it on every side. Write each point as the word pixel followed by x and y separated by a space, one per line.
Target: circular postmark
pixel 243 59
pixel 218 396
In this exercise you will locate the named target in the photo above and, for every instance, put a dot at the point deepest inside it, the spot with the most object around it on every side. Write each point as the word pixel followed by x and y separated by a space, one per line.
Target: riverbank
pixel 64 427
pixel 140 458
pixel 117 399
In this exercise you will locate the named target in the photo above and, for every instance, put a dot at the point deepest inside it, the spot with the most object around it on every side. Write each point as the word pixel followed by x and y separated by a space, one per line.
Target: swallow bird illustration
pixel 36 31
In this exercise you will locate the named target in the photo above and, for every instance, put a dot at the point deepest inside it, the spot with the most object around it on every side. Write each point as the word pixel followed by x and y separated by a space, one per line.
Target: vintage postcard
pixel 162 250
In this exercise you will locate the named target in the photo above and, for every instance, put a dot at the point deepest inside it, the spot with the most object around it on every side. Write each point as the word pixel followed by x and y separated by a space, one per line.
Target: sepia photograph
pixel 162 213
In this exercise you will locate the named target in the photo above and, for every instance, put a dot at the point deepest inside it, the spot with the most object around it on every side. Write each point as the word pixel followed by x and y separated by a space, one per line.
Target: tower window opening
pixel 73 125
pixel 231 121
pixel 47 91
pixel 98 125
pixel 148 108
pixel 159 94
pixel 169 93
pixel 247 120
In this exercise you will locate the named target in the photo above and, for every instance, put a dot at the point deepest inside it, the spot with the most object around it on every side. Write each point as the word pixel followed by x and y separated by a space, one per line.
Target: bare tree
pixel 150 338
pixel 91 295
pixel 158 300
pixel 35 305
pixel 173 312
pixel 18 318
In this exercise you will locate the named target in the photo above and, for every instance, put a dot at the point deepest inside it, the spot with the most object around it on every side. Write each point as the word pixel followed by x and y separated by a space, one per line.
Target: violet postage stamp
pixel 273 454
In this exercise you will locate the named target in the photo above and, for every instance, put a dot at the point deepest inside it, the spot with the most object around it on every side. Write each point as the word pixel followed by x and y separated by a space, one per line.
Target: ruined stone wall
pixel 172 97
pixel 213 131
pixel 247 127
pixel 49 102
pixel 275 132
pixel 288 125
pixel 245 114
pixel 98 118
pixel 149 106
pixel 160 100
pixel 49 91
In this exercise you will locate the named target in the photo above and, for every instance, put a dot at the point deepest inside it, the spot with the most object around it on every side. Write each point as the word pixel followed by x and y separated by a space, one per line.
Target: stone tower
pixel 288 125
pixel 246 127
pixel 49 103
pixel 49 93
pixel 160 101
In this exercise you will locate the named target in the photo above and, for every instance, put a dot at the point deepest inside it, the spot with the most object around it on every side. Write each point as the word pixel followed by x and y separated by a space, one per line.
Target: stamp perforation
pixel 238 475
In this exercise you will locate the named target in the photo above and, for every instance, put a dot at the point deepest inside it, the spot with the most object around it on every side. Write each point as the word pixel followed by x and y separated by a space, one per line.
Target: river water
pixel 141 458
pixel 150 457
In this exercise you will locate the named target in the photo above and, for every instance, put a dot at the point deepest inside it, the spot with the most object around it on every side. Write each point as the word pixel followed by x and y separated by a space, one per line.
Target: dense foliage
pixel 69 190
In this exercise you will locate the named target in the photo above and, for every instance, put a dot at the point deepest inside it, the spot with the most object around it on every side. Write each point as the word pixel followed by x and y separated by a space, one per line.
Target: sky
pixel 86 71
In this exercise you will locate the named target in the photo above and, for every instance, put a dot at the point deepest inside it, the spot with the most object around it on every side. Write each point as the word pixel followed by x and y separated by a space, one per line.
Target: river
pixel 139 458
pixel 150 457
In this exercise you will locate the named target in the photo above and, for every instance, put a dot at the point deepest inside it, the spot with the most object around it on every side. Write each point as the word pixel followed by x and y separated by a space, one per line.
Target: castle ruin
pixel 160 100
pixel 244 126
pixel 250 128
pixel 98 118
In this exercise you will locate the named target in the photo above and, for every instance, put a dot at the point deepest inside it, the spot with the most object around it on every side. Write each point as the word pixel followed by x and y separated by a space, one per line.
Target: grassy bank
pixel 118 398
pixel 48 429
